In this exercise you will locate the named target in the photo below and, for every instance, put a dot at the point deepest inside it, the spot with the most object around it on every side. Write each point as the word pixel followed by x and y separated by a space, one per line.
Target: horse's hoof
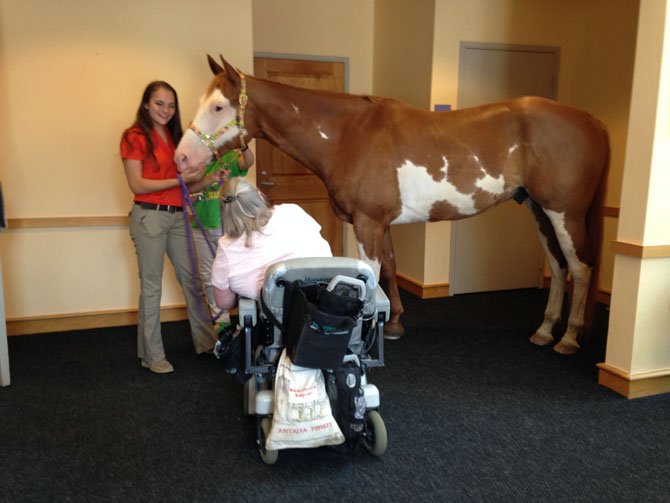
pixel 566 348
pixel 541 339
pixel 393 331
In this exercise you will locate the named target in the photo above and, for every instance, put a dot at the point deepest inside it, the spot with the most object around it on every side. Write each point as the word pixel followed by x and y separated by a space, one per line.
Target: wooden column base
pixel 633 386
pixel 422 291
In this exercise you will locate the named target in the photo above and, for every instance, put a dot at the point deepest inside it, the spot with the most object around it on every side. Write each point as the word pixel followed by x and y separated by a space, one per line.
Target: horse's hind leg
pixel 559 271
pixel 571 234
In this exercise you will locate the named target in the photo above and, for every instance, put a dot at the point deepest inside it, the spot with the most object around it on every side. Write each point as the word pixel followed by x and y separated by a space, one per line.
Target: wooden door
pixel 500 249
pixel 279 176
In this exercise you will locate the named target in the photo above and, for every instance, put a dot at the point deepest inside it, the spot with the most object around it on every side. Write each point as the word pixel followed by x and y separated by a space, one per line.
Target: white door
pixel 499 249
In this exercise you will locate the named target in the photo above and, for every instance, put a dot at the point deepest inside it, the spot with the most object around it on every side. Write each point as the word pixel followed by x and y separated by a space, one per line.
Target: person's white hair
pixel 244 209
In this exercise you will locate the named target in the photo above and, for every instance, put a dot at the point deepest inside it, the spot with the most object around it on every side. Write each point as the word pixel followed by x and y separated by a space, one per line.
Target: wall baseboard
pixel 125 317
pixel 633 386
pixel 84 321
pixel 422 291
pixel 437 290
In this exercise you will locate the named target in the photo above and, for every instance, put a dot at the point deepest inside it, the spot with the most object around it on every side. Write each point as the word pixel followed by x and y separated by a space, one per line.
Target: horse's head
pixel 219 121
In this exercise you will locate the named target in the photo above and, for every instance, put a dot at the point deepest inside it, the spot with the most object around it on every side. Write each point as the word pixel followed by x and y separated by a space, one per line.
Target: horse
pixel 385 162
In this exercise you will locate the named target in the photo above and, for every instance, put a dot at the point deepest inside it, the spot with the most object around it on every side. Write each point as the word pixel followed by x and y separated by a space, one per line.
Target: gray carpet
pixel 474 412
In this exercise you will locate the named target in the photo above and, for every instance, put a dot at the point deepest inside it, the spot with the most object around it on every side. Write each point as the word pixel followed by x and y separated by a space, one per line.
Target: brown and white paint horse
pixel 385 162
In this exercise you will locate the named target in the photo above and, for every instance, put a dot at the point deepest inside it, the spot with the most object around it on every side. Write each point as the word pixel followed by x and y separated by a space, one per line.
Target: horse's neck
pixel 302 123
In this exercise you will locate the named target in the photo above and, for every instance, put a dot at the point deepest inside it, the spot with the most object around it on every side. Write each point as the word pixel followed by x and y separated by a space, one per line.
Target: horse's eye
pixel 218 108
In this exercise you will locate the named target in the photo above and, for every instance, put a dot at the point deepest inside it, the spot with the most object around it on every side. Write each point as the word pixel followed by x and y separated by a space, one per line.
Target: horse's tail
pixel 595 231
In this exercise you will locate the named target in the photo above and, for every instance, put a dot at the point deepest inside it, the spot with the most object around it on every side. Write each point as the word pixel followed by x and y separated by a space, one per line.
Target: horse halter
pixel 209 139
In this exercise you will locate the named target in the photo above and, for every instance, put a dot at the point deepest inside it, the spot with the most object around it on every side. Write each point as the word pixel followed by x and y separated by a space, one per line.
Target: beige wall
pixel 71 77
pixel 597 40
pixel 402 69
pixel 95 58
pixel 321 28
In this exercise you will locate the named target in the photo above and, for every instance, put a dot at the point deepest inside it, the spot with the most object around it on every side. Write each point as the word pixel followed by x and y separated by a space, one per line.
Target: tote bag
pixel 302 415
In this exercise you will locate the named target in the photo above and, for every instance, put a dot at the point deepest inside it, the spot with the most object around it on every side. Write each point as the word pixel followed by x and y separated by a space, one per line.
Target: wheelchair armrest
pixel 247 307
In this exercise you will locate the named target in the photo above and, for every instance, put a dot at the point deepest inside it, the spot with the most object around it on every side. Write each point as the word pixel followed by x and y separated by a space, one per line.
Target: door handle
pixel 267 183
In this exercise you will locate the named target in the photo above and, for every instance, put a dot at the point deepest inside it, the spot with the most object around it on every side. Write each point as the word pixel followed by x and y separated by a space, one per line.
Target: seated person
pixel 256 236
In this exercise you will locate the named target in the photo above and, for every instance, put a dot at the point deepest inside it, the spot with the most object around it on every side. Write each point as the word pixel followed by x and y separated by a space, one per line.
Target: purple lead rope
pixel 186 199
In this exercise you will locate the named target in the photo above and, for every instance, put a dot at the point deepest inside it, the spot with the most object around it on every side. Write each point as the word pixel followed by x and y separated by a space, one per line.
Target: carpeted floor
pixel 474 412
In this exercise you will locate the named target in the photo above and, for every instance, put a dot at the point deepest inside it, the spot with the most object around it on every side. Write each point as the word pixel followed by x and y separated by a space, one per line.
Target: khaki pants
pixel 205 260
pixel 154 234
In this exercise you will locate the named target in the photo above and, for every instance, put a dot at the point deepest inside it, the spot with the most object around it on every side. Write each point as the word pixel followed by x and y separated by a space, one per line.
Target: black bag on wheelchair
pixel 318 324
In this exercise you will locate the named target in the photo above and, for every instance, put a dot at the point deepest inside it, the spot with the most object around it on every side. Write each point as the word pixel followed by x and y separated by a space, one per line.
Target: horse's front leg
pixel 376 248
pixel 393 328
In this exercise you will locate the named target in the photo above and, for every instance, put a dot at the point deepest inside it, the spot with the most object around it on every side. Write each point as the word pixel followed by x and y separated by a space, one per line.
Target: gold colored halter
pixel 209 139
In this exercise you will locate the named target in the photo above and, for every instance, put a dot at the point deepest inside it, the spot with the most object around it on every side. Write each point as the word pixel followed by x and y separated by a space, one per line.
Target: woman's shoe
pixel 161 367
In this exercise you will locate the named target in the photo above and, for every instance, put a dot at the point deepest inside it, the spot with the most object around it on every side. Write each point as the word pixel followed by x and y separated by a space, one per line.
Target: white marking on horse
pixel 214 113
pixel 581 276
pixel 374 263
pixel 512 149
pixel 490 184
pixel 209 121
pixel 564 237
pixel 419 191
pixel 322 134
pixel 295 108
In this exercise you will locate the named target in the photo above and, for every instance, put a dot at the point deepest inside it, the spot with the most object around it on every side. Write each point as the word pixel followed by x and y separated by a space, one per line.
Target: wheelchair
pixel 264 320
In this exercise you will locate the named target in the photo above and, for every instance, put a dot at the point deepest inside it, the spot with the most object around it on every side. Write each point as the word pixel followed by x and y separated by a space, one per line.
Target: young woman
pixel 157 223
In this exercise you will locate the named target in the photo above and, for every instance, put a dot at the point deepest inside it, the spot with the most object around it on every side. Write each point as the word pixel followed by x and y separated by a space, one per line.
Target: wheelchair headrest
pixel 316 270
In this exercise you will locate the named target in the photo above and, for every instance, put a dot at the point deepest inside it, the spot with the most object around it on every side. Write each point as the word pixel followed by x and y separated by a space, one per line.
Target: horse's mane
pixel 372 100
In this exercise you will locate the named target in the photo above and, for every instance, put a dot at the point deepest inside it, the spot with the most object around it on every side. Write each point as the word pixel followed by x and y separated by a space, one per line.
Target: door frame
pixel 488 46
pixel 309 57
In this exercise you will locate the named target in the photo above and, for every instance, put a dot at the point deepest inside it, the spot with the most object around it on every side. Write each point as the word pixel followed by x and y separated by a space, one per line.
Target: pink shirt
pixel 290 233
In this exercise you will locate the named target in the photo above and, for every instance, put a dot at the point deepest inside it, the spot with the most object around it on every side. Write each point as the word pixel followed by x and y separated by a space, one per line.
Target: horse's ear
pixel 233 74
pixel 215 67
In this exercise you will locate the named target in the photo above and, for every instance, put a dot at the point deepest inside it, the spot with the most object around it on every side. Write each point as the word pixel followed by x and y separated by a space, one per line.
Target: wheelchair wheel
pixel 269 456
pixel 375 439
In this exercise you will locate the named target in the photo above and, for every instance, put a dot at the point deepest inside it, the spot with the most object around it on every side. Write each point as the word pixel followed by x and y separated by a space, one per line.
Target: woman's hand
pixel 225 299
pixel 192 174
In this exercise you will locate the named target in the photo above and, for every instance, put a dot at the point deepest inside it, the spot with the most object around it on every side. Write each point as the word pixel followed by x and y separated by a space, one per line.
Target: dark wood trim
pixel 611 211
